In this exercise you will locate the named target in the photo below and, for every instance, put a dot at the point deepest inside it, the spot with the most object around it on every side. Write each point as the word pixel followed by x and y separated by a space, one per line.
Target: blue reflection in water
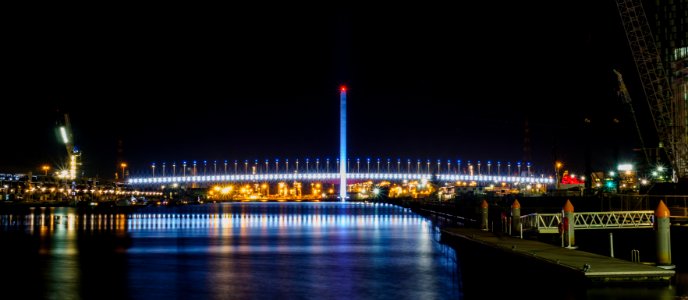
pixel 241 250
pixel 295 250
pixel 266 250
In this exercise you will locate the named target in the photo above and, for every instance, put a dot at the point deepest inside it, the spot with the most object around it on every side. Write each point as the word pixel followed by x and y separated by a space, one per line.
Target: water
pixel 268 251
pixel 235 251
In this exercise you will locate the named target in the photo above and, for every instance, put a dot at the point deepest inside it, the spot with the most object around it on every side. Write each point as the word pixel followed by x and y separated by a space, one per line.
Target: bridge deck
pixel 602 268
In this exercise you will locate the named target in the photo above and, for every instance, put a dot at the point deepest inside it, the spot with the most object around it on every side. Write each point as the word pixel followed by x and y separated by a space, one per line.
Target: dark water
pixel 269 251
pixel 231 251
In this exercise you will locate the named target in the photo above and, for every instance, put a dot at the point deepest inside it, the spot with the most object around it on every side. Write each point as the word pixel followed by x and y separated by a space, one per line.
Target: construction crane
pixel 623 91
pixel 671 132
pixel 73 153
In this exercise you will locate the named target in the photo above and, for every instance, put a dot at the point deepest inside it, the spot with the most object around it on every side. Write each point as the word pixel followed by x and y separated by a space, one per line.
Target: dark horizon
pixel 424 83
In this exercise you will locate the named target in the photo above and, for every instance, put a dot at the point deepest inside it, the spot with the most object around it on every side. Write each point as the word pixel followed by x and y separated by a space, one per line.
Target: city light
pixel 63 132
pixel 625 167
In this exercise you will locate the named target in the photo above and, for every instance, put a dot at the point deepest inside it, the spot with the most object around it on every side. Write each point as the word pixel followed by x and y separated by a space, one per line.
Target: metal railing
pixel 548 223
pixel 635 256
pixel 614 219
pixel 542 223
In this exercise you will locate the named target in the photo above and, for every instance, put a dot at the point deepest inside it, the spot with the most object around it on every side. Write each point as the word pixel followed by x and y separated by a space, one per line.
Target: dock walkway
pixel 596 268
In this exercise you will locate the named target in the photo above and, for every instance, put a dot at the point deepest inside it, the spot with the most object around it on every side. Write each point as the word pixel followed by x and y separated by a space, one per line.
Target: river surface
pixel 259 250
pixel 228 251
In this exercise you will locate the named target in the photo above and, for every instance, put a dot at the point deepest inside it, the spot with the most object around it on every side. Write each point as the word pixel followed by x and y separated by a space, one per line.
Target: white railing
pixel 542 223
pixel 614 219
pixel 548 223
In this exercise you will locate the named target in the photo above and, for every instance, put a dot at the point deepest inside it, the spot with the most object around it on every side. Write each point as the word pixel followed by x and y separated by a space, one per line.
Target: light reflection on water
pixel 241 250
pixel 263 250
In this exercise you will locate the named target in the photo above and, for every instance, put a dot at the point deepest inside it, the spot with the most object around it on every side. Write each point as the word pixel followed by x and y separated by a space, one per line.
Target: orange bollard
pixel 663 227
pixel 568 223
pixel 516 216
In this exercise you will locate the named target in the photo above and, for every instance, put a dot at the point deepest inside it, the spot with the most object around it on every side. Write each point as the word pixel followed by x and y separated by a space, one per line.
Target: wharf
pixel 600 269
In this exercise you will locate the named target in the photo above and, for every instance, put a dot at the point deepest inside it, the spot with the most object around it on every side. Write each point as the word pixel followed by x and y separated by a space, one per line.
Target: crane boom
pixel 73 153
pixel 66 133
pixel 655 85
pixel 627 99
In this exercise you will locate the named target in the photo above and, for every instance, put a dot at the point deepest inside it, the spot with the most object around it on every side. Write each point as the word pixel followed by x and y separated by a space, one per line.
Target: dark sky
pixel 425 81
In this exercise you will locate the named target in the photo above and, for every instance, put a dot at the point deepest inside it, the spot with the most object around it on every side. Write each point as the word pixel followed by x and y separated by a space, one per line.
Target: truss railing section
pixel 549 223
pixel 542 223
pixel 332 176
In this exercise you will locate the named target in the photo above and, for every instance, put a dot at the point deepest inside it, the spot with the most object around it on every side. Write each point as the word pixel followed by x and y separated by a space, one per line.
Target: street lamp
pixel 489 166
pixel 458 166
pixel 163 169
pixel 528 165
pixel 184 168
pixel 174 168
pixel 317 165
pixel 557 166
pixel 45 169
pixel 123 165
pixel 153 167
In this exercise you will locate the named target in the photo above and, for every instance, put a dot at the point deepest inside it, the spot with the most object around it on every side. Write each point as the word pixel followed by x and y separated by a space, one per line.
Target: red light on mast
pixel 343 88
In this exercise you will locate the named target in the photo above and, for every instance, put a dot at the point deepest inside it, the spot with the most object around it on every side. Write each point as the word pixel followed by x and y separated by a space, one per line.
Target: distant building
pixel 679 85
pixel 671 39
pixel 670 30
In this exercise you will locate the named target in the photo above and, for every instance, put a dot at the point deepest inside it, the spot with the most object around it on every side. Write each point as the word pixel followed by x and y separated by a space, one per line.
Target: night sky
pixel 425 81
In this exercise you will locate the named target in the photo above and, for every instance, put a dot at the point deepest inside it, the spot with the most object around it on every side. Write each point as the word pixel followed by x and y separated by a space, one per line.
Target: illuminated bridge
pixel 453 173
pixel 478 173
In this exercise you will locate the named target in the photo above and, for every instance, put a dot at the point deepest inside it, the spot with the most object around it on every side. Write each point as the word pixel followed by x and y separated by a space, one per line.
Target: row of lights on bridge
pixel 256 167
